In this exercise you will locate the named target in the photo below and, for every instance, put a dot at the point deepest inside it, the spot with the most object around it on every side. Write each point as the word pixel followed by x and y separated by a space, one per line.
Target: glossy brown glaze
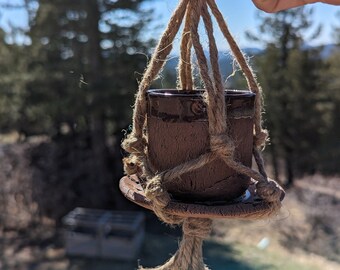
pixel 177 131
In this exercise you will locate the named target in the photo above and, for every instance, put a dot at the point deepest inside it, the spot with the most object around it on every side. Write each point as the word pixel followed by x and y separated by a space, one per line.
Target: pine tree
pixel 331 147
pixel 290 75
pixel 83 60
pixel 12 83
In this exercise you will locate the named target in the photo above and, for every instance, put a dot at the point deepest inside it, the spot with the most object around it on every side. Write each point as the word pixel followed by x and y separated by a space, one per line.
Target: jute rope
pixel 189 255
pixel 184 66
pixel 135 143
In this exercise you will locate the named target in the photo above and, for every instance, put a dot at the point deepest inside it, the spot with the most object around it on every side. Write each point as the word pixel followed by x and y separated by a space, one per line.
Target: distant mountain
pixel 328 50
pixel 252 51
pixel 226 60
pixel 325 50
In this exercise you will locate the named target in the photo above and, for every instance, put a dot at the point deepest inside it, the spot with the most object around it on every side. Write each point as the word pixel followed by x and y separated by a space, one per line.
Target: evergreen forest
pixel 67 87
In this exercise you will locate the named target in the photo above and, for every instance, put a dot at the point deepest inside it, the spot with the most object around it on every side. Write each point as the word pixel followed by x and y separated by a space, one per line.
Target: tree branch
pixel 11 6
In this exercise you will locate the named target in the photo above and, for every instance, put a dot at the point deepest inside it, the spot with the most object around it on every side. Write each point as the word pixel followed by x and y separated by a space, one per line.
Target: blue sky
pixel 240 14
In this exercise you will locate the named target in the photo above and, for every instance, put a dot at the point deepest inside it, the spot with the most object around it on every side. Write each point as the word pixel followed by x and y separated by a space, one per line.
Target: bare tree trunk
pixel 97 121
pixel 97 116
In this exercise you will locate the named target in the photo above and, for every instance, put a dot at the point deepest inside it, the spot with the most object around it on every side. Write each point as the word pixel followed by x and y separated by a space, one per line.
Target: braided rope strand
pixel 185 65
pixel 135 142
pixel 260 134
pixel 189 255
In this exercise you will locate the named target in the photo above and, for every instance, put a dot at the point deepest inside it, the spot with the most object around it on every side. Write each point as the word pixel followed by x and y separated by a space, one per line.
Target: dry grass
pixel 306 230
pixel 305 235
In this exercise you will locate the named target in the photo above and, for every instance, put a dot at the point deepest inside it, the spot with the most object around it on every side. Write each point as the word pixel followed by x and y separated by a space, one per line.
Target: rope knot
pixel 160 198
pixel 132 165
pixel 155 193
pixel 133 144
pixel 197 227
pixel 261 138
pixel 223 146
pixel 270 191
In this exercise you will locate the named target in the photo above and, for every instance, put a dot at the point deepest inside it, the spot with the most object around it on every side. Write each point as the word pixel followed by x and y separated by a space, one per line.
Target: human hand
pixel 278 5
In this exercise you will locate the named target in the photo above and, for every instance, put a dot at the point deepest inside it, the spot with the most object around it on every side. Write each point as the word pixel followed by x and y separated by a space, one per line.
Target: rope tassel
pixel 189 255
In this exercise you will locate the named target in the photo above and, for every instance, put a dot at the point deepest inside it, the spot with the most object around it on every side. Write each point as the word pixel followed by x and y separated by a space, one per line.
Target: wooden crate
pixel 103 234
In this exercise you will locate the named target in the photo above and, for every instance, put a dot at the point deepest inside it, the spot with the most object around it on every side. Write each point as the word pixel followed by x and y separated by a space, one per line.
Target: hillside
pixel 305 235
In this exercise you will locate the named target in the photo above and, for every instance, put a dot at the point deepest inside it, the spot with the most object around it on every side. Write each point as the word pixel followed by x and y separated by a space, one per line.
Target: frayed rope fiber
pixel 189 255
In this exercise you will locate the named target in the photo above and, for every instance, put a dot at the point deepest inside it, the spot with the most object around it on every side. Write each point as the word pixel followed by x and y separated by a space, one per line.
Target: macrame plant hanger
pixel 146 185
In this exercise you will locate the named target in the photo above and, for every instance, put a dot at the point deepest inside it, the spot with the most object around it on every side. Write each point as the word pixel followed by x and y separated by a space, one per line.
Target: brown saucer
pixel 249 206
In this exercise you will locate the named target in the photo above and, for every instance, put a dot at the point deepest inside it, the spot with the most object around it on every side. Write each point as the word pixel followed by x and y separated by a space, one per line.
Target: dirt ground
pixel 305 235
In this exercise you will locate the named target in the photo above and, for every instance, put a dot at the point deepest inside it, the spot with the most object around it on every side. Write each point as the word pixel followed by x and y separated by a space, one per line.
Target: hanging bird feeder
pixel 190 150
